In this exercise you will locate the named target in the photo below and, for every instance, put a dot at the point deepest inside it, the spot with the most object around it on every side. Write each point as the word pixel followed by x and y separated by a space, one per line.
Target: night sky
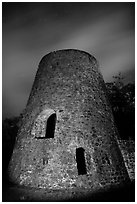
pixel 32 30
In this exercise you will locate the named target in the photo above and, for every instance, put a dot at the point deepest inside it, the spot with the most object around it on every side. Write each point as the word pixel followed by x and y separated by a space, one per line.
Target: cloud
pixel 104 31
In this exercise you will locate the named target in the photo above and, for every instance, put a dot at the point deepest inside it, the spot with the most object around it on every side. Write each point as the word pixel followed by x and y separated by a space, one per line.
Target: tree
pixel 122 99
pixel 9 133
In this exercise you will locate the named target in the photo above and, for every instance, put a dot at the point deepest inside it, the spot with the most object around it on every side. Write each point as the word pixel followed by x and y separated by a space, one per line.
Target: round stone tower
pixel 67 137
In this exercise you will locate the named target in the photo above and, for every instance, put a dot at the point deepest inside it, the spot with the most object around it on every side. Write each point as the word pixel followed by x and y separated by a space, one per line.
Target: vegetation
pixel 122 99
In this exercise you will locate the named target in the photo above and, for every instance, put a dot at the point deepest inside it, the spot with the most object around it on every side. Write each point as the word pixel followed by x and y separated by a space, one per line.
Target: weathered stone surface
pixel 67 85
pixel 127 148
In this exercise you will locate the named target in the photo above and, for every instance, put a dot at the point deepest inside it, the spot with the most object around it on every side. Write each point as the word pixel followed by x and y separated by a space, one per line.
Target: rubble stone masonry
pixel 67 137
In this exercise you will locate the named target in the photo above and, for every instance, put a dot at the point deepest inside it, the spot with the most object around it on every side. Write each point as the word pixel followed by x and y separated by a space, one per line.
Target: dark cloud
pixel 31 30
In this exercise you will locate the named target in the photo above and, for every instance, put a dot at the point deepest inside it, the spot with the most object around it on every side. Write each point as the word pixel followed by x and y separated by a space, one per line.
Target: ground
pixel 13 193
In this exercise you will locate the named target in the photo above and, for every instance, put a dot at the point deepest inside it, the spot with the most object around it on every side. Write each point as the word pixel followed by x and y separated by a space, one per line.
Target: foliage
pixel 122 99
pixel 9 133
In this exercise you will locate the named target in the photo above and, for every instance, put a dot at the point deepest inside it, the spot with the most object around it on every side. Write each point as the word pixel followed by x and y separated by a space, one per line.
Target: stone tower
pixel 67 137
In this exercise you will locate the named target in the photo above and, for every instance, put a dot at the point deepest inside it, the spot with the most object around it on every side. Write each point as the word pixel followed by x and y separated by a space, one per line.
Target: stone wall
pixel 127 148
pixel 68 85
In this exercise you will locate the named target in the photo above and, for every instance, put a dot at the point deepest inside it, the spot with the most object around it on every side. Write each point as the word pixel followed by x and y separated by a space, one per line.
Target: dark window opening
pixel 45 161
pixel 80 159
pixel 105 160
pixel 50 128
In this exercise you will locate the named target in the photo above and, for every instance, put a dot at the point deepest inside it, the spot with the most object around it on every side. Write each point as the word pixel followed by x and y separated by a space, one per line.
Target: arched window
pixel 44 125
pixel 80 159
pixel 50 126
